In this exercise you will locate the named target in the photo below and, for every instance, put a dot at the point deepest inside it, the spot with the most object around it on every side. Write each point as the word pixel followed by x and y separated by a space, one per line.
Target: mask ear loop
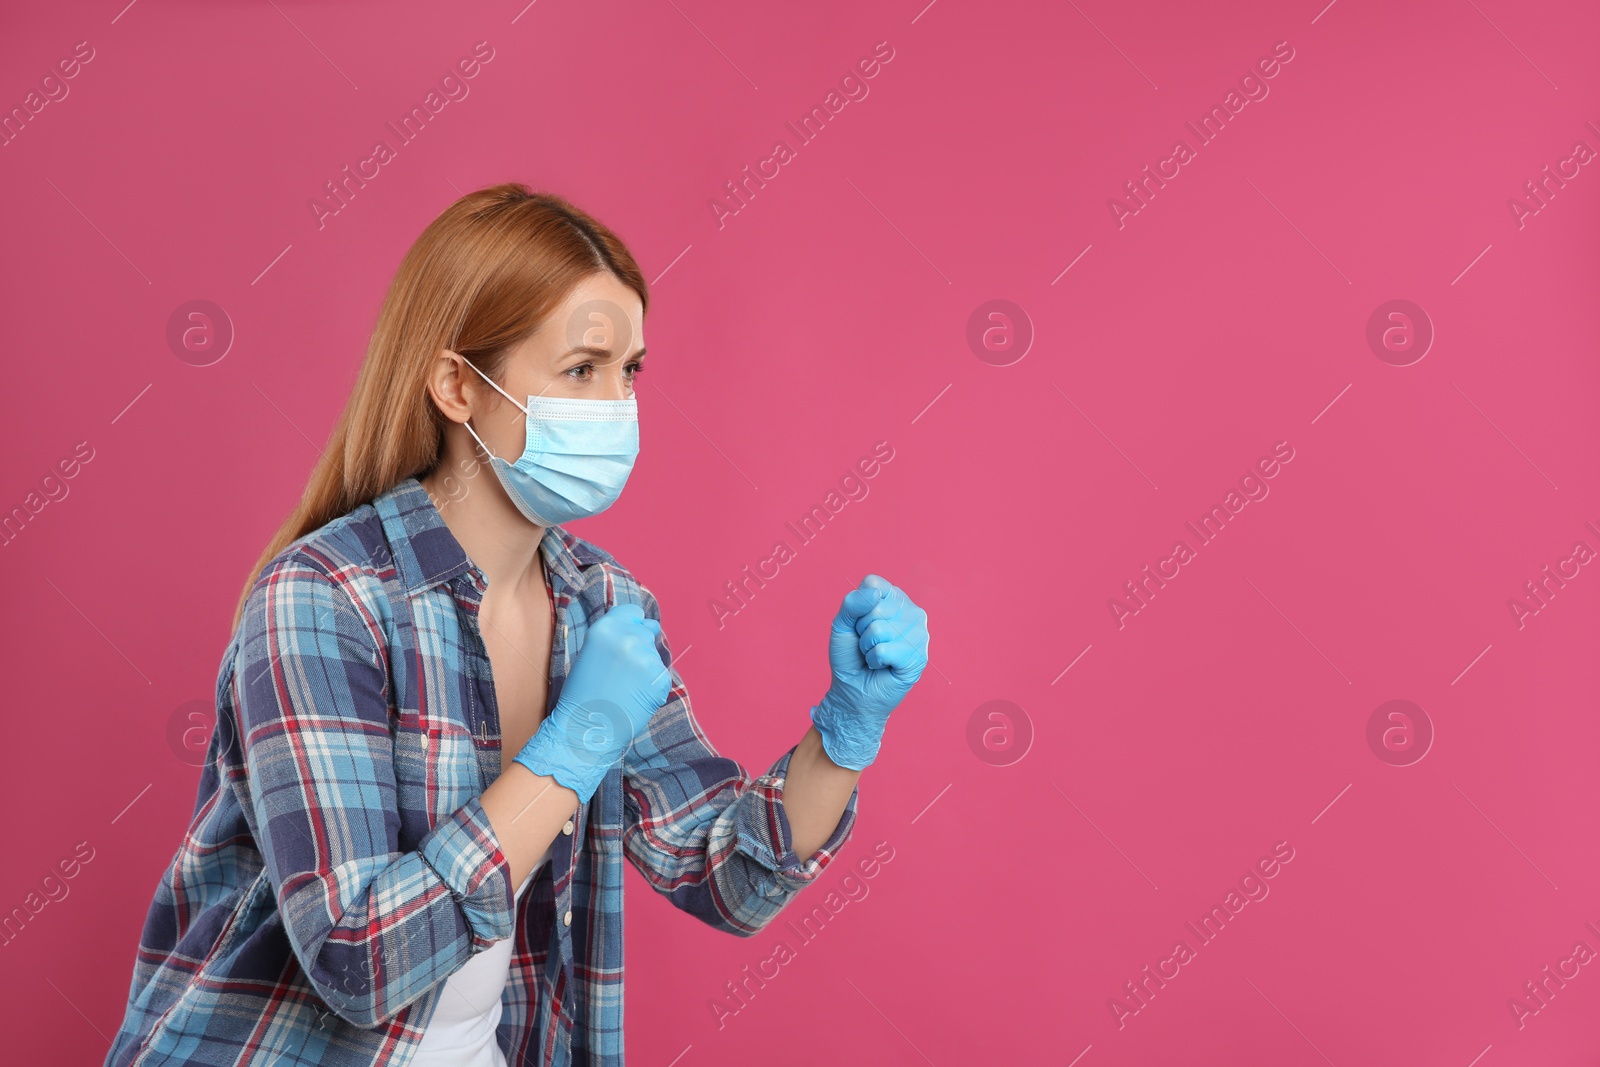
pixel 497 388
pixel 502 392
pixel 475 437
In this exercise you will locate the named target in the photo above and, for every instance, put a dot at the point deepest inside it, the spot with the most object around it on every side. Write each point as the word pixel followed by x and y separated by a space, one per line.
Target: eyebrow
pixel 595 350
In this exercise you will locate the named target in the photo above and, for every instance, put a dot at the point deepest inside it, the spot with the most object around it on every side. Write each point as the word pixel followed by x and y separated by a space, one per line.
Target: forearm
pixel 815 792
pixel 351 914
pixel 527 812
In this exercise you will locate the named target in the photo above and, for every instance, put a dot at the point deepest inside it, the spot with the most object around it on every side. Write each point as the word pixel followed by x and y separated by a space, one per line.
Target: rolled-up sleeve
pixel 704 833
pixel 373 926
pixel 764 834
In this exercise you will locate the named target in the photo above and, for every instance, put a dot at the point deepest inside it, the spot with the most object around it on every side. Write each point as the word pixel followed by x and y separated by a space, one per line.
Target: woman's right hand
pixel 618 681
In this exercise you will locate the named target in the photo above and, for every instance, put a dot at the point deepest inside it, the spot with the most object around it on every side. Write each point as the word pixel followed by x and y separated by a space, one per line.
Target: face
pixel 590 347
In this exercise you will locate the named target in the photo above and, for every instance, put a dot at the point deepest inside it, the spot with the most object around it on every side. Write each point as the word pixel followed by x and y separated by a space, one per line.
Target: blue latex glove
pixel 618 682
pixel 877 650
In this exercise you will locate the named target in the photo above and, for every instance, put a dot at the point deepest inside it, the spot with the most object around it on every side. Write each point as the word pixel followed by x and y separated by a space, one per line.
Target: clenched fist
pixel 877 650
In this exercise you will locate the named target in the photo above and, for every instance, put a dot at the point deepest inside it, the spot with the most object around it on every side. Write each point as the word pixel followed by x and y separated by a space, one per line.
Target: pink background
pixel 831 313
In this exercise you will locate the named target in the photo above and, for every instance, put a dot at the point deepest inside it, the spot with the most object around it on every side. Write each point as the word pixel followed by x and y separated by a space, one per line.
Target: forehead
pixel 600 312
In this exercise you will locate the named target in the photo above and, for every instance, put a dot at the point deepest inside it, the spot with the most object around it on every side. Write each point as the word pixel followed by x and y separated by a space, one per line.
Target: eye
pixel 585 371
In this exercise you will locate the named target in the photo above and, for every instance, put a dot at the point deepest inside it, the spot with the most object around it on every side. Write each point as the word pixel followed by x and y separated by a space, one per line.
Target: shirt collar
pixel 426 553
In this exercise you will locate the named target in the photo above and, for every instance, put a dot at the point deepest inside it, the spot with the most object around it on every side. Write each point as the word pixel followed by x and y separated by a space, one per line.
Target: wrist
pixel 558 751
pixel 829 712
pixel 845 740
pixel 811 752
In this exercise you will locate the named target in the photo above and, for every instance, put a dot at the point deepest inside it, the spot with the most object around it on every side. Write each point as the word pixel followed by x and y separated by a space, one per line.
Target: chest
pixel 518 636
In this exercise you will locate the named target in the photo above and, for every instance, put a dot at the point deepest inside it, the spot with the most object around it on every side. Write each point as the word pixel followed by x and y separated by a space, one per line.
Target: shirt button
pixel 567 829
pixel 566 920
pixel 424 739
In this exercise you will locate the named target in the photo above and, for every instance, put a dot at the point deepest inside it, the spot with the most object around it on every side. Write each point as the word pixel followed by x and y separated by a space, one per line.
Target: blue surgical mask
pixel 577 458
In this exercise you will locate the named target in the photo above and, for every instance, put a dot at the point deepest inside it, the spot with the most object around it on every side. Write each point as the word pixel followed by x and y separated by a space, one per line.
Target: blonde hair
pixel 478 281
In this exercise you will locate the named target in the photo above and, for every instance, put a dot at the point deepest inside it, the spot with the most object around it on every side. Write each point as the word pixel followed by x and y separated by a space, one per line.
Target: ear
pixel 449 386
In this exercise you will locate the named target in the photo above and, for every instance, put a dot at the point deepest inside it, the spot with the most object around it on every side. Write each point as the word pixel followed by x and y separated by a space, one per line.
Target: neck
pixel 492 532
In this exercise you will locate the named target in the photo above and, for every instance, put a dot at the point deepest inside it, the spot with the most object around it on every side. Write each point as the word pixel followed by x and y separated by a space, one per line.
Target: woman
pixel 443 720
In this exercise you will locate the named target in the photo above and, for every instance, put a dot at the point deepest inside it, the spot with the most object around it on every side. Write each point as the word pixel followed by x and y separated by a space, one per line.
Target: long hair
pixel 479 280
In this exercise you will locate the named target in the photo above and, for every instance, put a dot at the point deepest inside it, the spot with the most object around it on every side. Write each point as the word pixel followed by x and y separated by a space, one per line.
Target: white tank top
pixel 462 1030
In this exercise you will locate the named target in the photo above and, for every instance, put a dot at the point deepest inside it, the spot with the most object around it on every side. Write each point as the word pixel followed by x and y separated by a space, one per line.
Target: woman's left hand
pixel 877 650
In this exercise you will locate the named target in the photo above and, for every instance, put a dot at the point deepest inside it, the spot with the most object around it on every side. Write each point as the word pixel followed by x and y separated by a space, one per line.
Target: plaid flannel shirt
pixel 339 866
